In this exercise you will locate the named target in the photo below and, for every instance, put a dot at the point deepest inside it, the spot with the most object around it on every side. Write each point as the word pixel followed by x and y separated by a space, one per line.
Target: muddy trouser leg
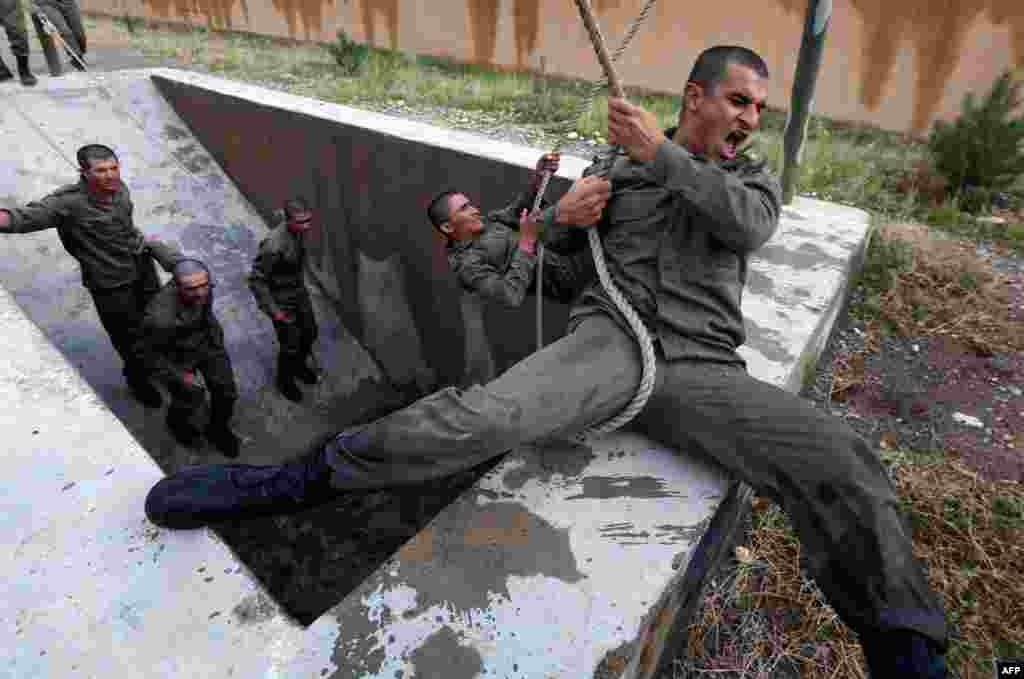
pixel 118 309
pixel 49 46
pixel 308 330
pixel 289 337
pixel 185 400
pixel 585 377
pixel 220 380
pixel 826 478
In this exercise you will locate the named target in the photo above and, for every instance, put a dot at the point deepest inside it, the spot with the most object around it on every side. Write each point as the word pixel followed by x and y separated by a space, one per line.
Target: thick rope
pixel 581 108
pixel 648 358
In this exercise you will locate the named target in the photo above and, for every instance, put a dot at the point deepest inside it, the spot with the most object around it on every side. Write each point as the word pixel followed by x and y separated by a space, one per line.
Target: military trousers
pixel 826 478
pixel 66 18
pixel 214 365
pixel 121 310
pixel 297 335
pixel 13 21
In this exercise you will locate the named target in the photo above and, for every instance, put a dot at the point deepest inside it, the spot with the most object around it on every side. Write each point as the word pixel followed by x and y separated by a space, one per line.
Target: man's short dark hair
pixel 296 206
pixel 438 212
pixel 713 63
pixel 90 152
pixel 187 267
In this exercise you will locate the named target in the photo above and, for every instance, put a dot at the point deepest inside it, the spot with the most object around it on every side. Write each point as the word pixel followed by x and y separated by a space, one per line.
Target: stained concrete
pixel 522 575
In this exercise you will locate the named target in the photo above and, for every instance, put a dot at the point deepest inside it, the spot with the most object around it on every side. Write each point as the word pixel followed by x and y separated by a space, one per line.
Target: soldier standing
pixel 66 18
pixel 277 282
pixel 180 336
pixel 13 20
pixel 94 221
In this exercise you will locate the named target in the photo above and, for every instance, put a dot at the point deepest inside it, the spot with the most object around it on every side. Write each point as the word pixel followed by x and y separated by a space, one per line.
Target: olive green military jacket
pixel 176 335
pixel 493 264
pixel 277 280
pixel 102 237
pixel 677 234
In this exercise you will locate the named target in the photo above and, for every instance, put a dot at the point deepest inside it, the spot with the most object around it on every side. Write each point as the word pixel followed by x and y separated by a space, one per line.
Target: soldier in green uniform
pixel 679 220
pixel 94 221
pixel 12 18
pixel 497 256
pixel 278 282
pixel 181 336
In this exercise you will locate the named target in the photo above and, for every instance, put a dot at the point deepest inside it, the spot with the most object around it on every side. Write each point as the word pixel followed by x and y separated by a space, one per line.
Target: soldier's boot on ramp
pixel 202 495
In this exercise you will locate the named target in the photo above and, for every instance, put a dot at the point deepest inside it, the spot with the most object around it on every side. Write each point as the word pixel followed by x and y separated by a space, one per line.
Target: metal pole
pixel 812 44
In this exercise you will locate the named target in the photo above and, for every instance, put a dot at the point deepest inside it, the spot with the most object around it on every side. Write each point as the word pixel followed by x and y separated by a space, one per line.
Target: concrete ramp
pixel 559 560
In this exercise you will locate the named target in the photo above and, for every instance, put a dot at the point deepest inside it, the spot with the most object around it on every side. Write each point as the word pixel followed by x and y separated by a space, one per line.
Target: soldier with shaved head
pixel 180 337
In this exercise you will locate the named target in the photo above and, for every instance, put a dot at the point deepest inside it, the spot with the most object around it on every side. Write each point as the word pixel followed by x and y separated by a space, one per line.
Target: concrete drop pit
pixel 206 171
pixel 511 569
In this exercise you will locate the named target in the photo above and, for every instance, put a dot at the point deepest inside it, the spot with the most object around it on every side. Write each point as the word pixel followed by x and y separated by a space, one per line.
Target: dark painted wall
pixel 376 255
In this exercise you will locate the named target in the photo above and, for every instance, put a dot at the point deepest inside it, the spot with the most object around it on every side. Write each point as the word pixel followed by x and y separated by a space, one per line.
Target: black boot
pixel 202 495
pixel 182 430
pixel 144 392
pixel 25 73
pixel 902 653
pixel 5 73
pixel 286 378
pixel 304 372
pixel 219 431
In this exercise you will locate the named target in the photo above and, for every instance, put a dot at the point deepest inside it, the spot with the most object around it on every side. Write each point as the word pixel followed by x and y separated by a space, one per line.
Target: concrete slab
pixel 563 560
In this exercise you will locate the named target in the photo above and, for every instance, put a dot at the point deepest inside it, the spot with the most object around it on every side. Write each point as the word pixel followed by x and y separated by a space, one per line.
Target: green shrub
pixel 975 199
pixel 982 147
pixel 350 55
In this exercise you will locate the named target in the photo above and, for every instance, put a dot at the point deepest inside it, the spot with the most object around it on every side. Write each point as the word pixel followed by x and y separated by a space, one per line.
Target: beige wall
pixel 899 64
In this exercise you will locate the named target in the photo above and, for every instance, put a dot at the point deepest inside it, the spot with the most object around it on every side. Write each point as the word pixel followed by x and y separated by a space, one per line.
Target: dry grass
pixel 767 619
pixel 948 291
pixel 920 282
pixel 970 533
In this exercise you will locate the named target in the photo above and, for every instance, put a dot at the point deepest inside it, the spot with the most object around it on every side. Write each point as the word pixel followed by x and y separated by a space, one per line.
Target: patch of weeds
pixel 808 369
pixel 917 282
pixel 349 55
pixel 132 24
pixel 1015 234
pixel 954 514
pixel 947 215
pixel 885 259
pixel 1008 512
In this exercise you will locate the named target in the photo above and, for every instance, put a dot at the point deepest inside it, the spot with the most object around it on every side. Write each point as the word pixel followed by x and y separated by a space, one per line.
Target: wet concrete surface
pixel 308 562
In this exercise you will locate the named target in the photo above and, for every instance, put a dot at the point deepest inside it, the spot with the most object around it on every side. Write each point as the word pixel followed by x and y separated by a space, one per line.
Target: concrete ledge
pixel 564 560
pixel 89 587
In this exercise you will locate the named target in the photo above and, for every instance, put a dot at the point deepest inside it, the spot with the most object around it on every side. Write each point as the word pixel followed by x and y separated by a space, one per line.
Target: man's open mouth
pixel 733 143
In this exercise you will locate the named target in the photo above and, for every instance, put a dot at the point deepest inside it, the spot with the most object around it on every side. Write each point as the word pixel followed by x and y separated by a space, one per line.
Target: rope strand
pixel 649 361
